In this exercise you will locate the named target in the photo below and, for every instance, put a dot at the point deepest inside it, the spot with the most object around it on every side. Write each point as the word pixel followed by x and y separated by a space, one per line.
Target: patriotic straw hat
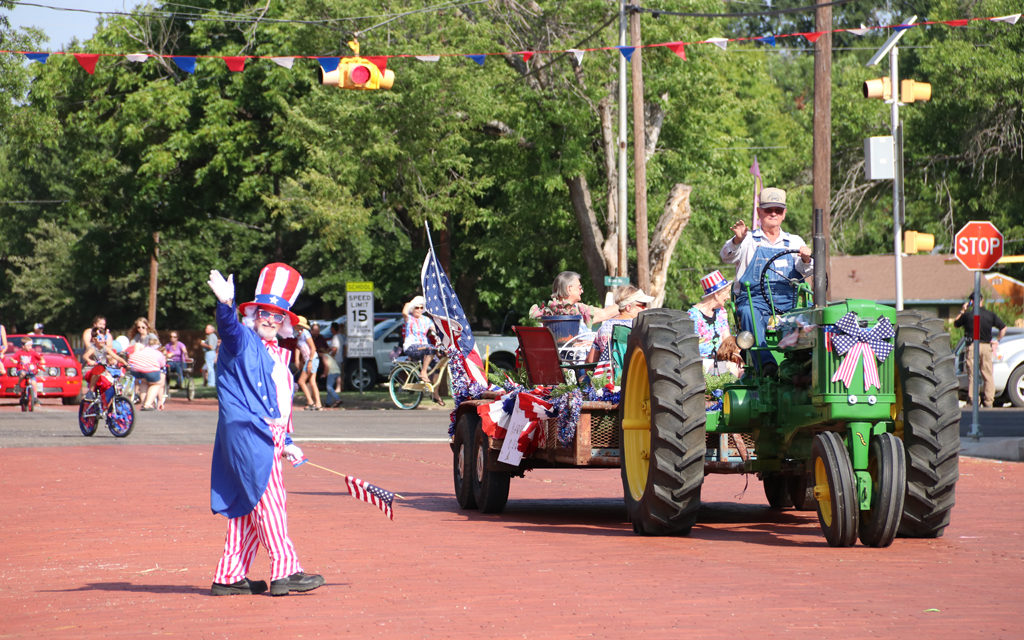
pixel 713 282
pixel 277 289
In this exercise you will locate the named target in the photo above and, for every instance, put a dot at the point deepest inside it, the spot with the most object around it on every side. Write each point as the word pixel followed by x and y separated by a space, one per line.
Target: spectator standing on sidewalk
pixel 3 348
pixel 309 364
pixel 177 355
pixel 989 347
pixel 254 425
pixel 209 345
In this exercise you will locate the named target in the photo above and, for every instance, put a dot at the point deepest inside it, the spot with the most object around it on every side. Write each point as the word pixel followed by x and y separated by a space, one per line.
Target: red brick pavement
pixel 117 542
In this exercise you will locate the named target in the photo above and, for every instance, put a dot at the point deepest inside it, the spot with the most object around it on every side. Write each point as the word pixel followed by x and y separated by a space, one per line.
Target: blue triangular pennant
pixel 329 64
pixel 37 57
pixel 477 58
pixel 770 40
pixel 627 52
pixel 185 63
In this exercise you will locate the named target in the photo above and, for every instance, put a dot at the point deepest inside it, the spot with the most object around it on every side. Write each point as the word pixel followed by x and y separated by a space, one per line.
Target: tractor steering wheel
pixel 769 266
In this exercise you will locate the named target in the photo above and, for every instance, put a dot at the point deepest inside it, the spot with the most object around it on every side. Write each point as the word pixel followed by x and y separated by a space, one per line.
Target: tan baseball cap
pixel 772 197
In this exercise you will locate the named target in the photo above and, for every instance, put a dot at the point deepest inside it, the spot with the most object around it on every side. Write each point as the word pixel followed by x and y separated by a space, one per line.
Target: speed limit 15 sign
pixel 359 309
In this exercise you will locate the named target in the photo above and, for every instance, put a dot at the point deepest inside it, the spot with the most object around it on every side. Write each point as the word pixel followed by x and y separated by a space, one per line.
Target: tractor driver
pixel 750 251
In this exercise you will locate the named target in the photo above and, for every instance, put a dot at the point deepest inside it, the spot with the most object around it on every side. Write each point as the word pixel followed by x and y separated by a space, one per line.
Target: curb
pixel 1006 449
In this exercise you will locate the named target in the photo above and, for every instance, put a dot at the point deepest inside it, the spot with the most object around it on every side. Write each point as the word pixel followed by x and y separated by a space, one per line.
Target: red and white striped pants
pixel 266 524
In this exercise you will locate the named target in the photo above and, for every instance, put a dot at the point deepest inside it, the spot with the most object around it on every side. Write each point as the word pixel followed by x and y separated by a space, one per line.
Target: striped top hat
pixel 278 287
pixel 713 282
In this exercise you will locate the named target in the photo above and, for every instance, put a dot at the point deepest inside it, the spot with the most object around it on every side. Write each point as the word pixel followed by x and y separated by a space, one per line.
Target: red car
pixel 61 374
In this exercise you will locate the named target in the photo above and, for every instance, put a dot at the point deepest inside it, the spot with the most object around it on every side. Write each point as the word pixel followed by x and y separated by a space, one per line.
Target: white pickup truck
pixel 363 373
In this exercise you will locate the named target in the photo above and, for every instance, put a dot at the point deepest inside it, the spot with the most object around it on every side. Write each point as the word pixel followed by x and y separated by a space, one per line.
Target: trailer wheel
pixel 490 488
pixel 834 489
pixel 927 418
pixel 801 492
pixel 463 455
pixel 662 424
pixel 887 465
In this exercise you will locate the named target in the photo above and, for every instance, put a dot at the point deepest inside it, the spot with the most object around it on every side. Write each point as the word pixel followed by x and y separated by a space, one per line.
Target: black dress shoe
pixel 296 582
pixel 243 586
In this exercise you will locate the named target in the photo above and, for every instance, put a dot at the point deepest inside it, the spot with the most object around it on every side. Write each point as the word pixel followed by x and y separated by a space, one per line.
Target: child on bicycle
pixel 29 362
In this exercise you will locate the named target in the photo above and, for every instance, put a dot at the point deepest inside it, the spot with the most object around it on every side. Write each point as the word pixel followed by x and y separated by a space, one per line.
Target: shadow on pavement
pixel 135 588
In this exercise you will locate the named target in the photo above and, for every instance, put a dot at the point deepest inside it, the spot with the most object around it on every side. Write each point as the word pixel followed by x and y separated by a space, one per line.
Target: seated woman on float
pixel 566 300
pixel 711 323
pixel 629 301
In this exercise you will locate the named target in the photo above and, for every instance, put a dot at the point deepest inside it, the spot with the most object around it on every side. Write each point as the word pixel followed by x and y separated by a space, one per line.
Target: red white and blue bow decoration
pixel 850 340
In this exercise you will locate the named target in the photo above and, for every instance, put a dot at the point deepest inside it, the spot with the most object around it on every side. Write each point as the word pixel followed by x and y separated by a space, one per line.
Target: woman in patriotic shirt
pixel 710 320
pixel 417 343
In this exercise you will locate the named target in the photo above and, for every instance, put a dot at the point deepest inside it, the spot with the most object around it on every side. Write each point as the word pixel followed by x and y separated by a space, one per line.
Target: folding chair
pixel 543 366
pixel 620 336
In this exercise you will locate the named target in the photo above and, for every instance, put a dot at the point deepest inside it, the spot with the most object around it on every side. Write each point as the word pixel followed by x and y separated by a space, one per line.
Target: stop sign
pixel 979 245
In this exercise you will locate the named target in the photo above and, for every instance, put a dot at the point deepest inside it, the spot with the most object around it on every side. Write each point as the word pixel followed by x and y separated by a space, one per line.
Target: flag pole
pixel 313 464
pixel 444 301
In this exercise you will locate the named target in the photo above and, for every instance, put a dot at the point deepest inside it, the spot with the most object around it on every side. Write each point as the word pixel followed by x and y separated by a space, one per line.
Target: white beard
pixel 265 332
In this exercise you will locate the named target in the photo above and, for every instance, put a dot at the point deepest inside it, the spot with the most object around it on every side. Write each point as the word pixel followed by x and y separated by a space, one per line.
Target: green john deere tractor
pixel 858 419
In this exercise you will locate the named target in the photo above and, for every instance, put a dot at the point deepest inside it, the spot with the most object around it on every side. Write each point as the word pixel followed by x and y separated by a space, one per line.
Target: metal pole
pixel 897 222
pixel 976 332
pixel 822 145
pixel 643 265
pixel 623 269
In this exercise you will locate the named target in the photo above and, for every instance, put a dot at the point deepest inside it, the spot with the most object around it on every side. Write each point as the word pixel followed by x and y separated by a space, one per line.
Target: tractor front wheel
pixel 888 468
pixel 927 417
pixel 662 424
pixel 835 490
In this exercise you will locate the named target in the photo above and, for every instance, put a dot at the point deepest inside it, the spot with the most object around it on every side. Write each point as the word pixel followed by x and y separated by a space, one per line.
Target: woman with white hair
pixel 629 302
pixel 566 300
pixel 417 345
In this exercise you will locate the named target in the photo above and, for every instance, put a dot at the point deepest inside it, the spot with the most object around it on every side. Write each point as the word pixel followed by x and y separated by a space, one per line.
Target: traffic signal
pixel 917 242
pixel 358 73
pixel 914 91
pixel 910 90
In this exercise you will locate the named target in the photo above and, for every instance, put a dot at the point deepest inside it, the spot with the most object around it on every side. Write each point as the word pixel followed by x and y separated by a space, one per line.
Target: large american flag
pixel 449 318
pixel 372 494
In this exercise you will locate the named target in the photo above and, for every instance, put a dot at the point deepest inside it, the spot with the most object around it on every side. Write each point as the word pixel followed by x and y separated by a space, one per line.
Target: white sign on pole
pixel 359 319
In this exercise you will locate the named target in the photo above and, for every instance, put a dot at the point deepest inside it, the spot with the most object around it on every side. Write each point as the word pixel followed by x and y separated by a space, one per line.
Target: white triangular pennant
pixel 428 58
pixel 578 54
pixel 721 43
pixel 1011 19
pixel 863 31
pixel 284 61
pixel 137 57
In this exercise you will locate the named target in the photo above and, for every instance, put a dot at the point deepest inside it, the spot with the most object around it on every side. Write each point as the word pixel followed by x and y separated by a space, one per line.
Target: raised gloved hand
pixel 223 289
pixel 293 454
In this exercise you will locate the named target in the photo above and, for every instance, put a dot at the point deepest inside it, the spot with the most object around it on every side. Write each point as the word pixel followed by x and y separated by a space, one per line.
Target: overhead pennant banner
pixel 185 63
pixel 88 61
pixel 904 27
pixel 526 55
pixel 381 62
pixel 863 31
pixel 813 37
pixel 1010 19
pixel 679 49
pixel 284 61
pixel 956 23
pixel 137 57
pixel 235 63
pixel 477 58
pixel 769 40
pixel 428 58
pixel 721 43
pixel 627 52
pixel 578 54
pixel 329 64
pixel 37 57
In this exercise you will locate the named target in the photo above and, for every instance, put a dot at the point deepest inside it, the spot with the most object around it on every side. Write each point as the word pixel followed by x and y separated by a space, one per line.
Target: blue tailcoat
pixel 243 451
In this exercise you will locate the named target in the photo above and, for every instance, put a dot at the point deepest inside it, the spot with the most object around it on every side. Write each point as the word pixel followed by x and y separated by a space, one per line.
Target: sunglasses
pixel 263 314
pixel 778 211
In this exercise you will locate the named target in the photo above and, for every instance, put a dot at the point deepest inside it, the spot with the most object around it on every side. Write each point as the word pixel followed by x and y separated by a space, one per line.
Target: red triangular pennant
pixel 235 63
pixel 381 62
pixel 88 61
pixel 526 55
pixel 956 23
pixel 813 37
pixel 678 48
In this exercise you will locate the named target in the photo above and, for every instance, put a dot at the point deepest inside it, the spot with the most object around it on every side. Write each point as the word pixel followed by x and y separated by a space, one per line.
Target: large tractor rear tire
pixel 835 490
pixel 927 417
pixel 662 424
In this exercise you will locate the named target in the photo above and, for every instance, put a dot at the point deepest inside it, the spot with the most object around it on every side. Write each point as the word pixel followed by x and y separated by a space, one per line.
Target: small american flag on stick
pixel 371 493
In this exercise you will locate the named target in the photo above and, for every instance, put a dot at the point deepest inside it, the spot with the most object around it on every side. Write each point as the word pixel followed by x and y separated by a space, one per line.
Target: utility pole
pixel 822 149
pixel 623 214
pixel 643 271
pixel 154 265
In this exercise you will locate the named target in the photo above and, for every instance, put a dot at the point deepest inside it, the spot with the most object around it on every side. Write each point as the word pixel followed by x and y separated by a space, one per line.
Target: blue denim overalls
pixel 783 295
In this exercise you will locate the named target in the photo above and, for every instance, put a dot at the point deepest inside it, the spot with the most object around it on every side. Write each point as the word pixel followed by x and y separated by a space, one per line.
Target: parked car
pixel 61 375
pixel 378 317
pixel 1007 368
pixel 365 372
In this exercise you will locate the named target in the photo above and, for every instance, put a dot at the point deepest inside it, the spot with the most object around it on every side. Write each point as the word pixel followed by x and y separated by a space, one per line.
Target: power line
pixel 745 14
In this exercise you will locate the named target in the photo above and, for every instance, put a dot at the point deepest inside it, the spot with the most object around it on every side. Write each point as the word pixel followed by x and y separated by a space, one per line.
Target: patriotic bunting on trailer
pixel 237 63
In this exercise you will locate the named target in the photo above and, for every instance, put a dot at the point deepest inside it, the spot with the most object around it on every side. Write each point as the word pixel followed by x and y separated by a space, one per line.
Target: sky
pixel 62 26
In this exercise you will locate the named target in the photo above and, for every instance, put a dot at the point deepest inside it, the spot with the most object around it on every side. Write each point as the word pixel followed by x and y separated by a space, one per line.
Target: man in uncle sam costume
pixel 254 393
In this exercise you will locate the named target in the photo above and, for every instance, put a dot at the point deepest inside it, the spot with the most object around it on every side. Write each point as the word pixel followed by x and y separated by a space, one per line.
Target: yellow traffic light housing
pixel 879 88
pixel 358 73
pixel 917 242
pixel 914 91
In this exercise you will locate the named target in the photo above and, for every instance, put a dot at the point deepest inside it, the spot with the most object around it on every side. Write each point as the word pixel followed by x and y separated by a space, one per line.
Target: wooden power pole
pixel 643 270
pixel 154 264
pixel 822 150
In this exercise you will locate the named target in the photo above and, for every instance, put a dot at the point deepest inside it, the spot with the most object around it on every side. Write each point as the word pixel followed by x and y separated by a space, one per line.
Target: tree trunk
pixel 590 231
pixel 610 249
pixel 673 220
